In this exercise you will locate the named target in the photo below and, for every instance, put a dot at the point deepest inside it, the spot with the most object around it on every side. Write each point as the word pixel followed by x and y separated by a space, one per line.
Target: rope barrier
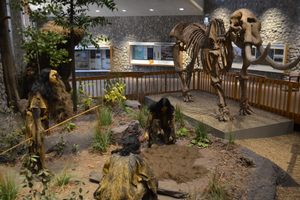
pixel 51 128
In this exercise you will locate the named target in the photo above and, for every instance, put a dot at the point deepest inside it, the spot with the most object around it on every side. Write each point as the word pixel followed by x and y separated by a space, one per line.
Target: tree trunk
pixel 71 54
pixel 7 52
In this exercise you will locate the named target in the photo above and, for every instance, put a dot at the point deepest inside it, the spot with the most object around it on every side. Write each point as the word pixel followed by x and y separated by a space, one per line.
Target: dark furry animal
pixel 130 144
pixel 52 90
pixel 160 125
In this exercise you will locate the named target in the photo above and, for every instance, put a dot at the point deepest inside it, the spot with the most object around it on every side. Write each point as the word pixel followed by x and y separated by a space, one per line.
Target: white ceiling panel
pixel 159 8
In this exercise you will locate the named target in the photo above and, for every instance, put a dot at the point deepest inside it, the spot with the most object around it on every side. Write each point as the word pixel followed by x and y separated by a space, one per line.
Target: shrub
pixel 63 178
pixel 182 132
pixel 178 115
pixel 70 126
pixel 215 190
pixel 201 139
pixel 104 116
pixel 101 141
pixel 142 116
pixel 114 92
pixel 8 187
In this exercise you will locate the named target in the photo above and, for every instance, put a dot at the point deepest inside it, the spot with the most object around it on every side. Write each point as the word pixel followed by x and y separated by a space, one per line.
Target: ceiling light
pixel 151 9
pixel 124 10
pixel 181 9
pixel 97 10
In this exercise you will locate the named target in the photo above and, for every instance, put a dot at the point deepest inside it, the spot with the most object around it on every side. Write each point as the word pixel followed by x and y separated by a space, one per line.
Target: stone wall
pixel 138 29
pixel 280 19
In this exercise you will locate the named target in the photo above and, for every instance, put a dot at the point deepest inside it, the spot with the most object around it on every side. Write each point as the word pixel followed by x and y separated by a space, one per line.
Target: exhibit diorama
pixel 144 100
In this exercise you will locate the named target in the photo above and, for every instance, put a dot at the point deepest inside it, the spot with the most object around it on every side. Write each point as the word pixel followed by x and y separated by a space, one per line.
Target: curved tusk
pixel 279 66
pixel 260 58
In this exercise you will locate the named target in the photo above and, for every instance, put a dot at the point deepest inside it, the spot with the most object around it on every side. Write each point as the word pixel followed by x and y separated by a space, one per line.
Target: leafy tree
pixel 71 15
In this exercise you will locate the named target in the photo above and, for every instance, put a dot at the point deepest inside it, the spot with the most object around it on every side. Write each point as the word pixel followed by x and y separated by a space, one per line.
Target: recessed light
pixel 151 9
pixel 97 10
pixel 124 10
pixel 181 9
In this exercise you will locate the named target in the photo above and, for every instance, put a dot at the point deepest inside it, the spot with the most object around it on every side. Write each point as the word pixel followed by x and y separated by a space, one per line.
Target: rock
pixel 117 133
pixel 132 104
pixel 95 177
pixel 130 128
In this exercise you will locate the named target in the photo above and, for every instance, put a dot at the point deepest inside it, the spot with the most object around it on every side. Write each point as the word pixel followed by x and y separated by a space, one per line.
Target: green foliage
pixel 45 43
pixel 8 187
pixel 140 115
pixel 75 148
pixel 33 173
pixel 182 132
pixel 231 139
pixel 114 92
pixel 63 178
pixel 70 126
pixel 77 195
pixel 101 141
pixel 85 100
pixel 104 116
pixel 178 115
pixel 201 139
pixel 215 190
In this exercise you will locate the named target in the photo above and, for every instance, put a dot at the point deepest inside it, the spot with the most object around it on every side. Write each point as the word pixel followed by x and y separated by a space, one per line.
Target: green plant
pixel 75 148
pixel 31 169
pixel 231 138
pixel 178 115
pixel 63 178
pixel 201 139
pixel 47 43
pixel 8 187
pixel 114 92
pixel 142 116
pixel 216 190
pixel 101 141
pixel 104 116
pixel 70 126
pixel 182 132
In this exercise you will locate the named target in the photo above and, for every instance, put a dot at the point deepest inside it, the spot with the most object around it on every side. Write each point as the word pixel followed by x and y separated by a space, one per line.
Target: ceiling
pixel 158 8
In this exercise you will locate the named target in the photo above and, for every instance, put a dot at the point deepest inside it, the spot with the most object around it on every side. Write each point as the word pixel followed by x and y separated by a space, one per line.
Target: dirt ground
pixel 178 167
pixel 284 151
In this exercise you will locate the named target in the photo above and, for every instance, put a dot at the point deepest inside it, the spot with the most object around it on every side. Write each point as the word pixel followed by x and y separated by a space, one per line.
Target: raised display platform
pixel 204 110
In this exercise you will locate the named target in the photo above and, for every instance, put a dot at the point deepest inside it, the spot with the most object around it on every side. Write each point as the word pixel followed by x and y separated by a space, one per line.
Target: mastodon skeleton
pixel 214 45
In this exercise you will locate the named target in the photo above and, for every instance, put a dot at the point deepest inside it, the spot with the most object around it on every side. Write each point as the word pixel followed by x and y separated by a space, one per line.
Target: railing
pixel 277 96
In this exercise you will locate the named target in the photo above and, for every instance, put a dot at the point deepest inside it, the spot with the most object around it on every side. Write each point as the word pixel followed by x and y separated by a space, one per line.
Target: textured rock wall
pixel 138 29
pixel 280 19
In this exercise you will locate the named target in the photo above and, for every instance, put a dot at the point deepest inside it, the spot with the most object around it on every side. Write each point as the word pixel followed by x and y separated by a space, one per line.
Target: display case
pixel 278 52
pixel 151 53
pixel 91 59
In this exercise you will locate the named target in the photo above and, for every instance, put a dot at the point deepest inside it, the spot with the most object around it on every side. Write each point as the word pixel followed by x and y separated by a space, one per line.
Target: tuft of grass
pixel 104 116
pixel 8 187
pixel 101 141
pixel 201 139
pixel 141 115
pixel 63 178
pixel 215 190
pixel 231 139
pixel 178 115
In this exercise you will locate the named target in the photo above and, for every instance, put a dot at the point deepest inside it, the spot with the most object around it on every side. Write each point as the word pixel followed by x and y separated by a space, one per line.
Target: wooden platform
pixel 204 110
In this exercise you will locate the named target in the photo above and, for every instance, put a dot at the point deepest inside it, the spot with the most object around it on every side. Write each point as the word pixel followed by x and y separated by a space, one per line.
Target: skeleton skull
pixel 245 31
pixel 246 27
